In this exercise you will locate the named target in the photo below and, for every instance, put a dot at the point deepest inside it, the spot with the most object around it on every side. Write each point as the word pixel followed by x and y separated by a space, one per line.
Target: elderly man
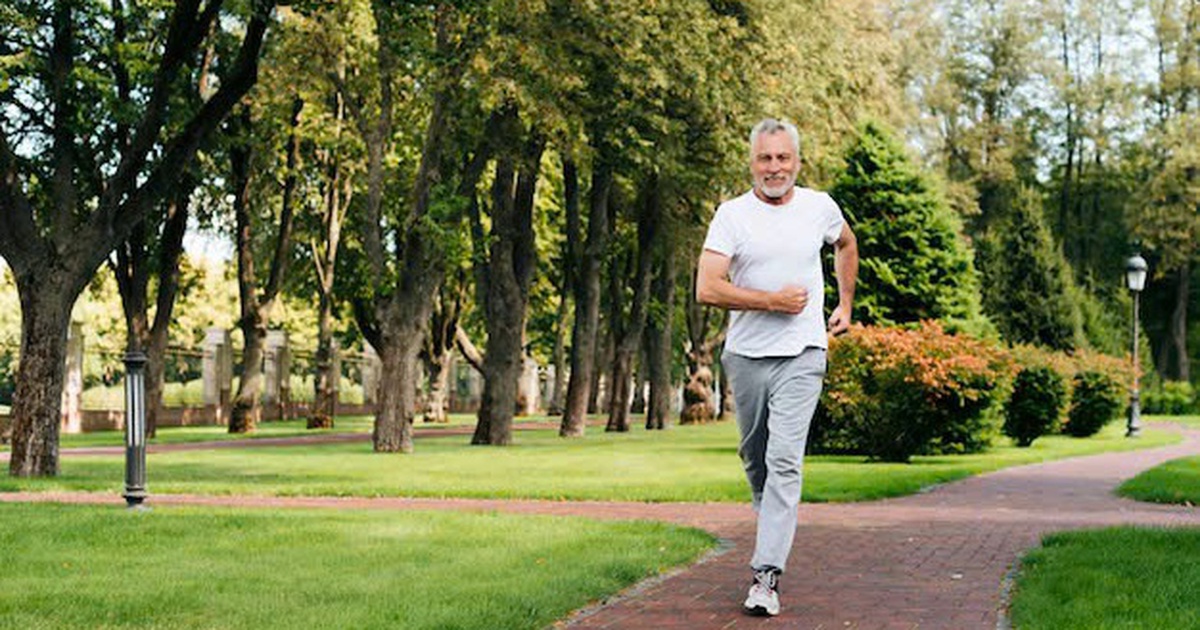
pixel 762 261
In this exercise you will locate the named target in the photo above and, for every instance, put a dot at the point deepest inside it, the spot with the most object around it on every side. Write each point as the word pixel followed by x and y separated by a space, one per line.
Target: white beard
pixel 778 190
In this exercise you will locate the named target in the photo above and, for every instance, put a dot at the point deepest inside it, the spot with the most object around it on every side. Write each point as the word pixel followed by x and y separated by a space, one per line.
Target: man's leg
pixel 748 378
pixel 795 388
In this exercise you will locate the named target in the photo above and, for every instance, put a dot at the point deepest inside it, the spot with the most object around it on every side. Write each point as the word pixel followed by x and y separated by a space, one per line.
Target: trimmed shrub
pixel 892 393
pixel 1033 408
pixel 1174 398
pixel 1095 401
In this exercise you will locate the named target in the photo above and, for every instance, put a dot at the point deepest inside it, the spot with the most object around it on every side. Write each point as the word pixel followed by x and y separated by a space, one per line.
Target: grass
pixel 104 567
pixel 1113 578
pixel 272 429
pixel 1192 422
pixel 1176 481
pixel 695 463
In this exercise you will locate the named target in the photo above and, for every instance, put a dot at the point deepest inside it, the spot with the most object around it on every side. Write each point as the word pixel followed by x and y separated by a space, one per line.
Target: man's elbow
pixel 704 294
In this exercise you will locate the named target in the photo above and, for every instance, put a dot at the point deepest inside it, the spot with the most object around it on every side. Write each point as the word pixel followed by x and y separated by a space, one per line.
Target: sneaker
pixel 763 599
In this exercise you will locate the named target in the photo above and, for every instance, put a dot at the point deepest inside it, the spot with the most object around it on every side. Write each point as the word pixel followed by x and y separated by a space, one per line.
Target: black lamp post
pixel 135 429
pixel 1135 279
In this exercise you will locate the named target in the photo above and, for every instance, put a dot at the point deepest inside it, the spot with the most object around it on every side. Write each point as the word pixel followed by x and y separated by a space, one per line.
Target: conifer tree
pixel 1028 286
pixel 915 262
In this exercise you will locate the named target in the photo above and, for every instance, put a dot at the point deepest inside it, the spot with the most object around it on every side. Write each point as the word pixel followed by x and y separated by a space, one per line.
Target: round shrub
pixel 1173 398
pixel 1038 395
pixel 892 393
pixel 1095 401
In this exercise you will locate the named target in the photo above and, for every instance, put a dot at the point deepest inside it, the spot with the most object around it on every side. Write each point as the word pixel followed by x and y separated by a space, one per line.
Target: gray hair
pixel 772 126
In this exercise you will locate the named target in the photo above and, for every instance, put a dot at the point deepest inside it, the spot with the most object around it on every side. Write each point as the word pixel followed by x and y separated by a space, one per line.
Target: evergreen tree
pixel 1028 286
pixel 915 263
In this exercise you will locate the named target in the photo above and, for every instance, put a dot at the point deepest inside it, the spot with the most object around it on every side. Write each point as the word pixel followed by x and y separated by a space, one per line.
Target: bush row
pixel 1173 398
pixel 892 393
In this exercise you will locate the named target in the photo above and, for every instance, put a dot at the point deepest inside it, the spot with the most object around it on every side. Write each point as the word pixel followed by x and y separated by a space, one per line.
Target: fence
pixel 199 384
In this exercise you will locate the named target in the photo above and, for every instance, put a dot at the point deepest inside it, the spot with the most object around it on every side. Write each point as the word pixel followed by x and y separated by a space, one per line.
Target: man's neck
pixel 775 201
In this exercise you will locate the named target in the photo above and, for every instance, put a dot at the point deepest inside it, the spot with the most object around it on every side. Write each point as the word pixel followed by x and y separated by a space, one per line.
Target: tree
pixel 915 263
pixel 70 190
pixel 257 302
pixel 1028 290
pixel 402 237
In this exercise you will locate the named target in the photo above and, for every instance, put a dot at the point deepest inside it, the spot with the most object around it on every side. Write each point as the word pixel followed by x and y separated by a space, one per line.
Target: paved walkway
pixel 934 560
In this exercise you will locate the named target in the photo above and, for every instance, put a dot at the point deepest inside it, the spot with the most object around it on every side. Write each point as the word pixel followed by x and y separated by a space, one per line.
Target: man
pixel 762 261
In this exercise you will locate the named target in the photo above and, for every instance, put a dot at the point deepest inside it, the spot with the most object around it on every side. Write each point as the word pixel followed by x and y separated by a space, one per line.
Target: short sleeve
pixel 721 237
pixel 833 221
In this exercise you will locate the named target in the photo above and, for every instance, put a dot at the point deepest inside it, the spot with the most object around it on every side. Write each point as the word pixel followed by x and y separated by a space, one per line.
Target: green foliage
pixel 1173 398
pixel 1037 399
pixel 892 393
pixel 1095 401
pixel 1027 284
pixel 915 264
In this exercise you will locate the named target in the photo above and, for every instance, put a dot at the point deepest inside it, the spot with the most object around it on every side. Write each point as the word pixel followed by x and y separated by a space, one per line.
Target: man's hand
pixel 839 321
pixel 790 299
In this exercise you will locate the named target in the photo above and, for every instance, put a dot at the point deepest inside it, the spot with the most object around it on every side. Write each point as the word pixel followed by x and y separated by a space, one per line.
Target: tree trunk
pixel 559 358
pixel 336 201
pixel 437 404
pixel 324 396
pixel 587 303
pixel 601 390
pixel 637 403
pixel 398 351
pixel 509 273
pixel 659 345
pixel 37 402
pixel 627 334
pixel 698 404
pixel 247 405
pixel 618 399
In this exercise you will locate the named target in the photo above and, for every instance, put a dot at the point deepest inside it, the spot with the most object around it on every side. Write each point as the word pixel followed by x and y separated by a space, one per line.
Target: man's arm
pixel 714 289
pixel 845 265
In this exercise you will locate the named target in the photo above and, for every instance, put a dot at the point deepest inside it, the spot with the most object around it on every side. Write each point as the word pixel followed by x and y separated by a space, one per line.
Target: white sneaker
pixel 763 599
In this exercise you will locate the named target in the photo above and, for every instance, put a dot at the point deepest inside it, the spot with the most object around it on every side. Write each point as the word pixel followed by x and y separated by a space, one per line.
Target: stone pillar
pixel 218 374
pixel 276 372
pixel 529 390
pixel 72 393
pixel 335 383
pixel 372 368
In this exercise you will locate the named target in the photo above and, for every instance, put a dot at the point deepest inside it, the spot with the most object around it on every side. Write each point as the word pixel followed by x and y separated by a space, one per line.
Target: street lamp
pixel 1135 279
pixel 135 429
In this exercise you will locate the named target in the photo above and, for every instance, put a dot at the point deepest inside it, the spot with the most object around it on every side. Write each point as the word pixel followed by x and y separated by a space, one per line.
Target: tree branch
pixel 469 351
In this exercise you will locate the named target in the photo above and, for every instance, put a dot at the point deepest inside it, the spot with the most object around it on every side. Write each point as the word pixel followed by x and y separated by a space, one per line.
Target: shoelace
pixel 767 579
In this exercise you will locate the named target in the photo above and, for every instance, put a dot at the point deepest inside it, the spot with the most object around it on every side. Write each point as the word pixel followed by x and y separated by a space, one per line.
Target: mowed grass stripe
pixel 104 567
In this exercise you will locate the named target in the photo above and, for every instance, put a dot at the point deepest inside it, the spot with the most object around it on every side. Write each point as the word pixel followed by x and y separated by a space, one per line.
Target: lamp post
pixel 135 429
pixel 1135 279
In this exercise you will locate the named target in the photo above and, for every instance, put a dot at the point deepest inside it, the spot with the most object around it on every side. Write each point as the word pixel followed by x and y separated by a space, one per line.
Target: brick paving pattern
pixel 933 560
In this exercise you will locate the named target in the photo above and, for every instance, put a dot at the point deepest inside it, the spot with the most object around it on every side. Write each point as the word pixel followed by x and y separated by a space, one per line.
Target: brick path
pixel 933 560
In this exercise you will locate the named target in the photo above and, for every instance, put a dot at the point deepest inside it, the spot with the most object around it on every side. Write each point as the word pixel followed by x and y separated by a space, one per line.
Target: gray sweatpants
pixel 775 399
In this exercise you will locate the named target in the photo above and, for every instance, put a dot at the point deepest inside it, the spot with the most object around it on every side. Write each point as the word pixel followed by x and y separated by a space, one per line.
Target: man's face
pixel 774 164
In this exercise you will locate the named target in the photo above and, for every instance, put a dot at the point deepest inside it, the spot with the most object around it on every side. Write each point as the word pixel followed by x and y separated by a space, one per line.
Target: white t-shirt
pixel 771 247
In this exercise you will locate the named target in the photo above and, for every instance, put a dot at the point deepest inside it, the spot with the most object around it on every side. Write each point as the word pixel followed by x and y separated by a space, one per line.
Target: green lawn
pixel 696 463
pixel 1113 578
pixel 106 567
pixel 1176 481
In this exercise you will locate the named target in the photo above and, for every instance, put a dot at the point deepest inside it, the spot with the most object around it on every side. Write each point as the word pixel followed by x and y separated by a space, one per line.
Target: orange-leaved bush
pixel 892 393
